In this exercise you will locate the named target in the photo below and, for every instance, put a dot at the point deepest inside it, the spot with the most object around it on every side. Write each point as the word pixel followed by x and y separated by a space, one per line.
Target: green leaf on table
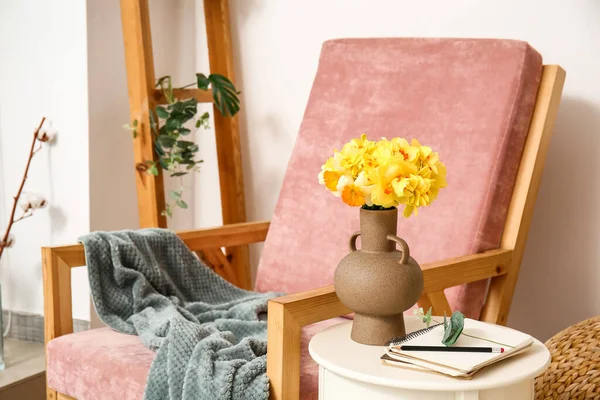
pixel 453 328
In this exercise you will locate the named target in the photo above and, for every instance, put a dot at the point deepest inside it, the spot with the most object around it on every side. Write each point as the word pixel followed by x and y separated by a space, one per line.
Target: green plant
pixel 175 150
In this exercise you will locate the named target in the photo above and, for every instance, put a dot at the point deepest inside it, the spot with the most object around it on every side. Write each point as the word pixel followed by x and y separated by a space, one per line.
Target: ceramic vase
pixel 377 281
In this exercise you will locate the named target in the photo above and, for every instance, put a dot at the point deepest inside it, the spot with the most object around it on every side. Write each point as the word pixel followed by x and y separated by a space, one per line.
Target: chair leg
pixel 437 301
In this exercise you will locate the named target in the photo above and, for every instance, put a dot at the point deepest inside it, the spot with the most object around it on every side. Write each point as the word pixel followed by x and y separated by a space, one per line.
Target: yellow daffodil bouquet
pixel 384 174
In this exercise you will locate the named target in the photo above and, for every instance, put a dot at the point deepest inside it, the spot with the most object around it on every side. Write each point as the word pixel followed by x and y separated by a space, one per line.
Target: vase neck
pixel 375 226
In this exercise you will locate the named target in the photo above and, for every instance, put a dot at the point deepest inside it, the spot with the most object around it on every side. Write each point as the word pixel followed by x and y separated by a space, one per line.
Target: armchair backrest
pixel 470 99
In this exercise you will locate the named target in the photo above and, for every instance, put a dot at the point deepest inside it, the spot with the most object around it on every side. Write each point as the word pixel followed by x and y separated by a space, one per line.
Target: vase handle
pixel 403 246
pixel 353 238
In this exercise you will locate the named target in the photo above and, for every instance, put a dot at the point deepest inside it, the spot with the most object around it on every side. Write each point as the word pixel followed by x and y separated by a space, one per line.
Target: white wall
pixel 277 45
pixel 43 72
pixel 113 202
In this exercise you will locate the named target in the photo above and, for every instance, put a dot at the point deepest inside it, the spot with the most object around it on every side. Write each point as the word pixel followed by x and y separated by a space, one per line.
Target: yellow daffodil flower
pixel 386 173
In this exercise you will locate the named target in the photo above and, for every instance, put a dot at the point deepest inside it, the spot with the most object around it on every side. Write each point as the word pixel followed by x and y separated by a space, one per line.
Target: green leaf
pixel 184 110
pixel 182 204
pixel 224 95
pixel 153 170
pixel 175 194
pixel 183 144
pixel 135 123
pixel 427 317
pixel 163 161
pixel 184 131
pixel 202 81
pixel 158 149
pixel 162 112
pixel 166 141
pixel 173 124
pixel 175 174
pixel 453 328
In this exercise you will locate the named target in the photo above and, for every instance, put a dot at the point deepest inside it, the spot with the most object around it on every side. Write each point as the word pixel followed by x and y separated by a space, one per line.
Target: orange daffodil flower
pixel 386 173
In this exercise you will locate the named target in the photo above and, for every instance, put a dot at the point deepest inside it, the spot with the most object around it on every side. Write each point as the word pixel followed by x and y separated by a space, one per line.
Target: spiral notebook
pixel 460 365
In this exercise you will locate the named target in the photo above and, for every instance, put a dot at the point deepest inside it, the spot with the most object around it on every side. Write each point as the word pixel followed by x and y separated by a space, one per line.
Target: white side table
pixel 352 371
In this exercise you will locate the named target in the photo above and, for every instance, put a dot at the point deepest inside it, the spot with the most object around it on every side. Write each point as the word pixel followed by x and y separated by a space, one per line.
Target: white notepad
pixel 462 364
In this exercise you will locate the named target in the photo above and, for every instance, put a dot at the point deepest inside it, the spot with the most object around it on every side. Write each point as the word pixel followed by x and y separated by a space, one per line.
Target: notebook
pixel 460 365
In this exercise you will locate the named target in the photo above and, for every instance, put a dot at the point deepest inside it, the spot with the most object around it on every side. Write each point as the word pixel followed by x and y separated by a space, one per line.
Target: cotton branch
pixel 5 242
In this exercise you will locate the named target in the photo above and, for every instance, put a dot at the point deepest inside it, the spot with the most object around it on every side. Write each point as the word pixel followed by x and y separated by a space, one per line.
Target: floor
pixel 25 373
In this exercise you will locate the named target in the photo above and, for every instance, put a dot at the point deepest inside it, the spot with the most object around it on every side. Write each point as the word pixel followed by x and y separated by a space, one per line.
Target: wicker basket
pixel 575 369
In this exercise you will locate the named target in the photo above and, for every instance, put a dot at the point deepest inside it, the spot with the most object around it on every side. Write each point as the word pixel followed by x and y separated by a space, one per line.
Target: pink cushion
pixel 104 364
pixel 471 100
pixel 98 364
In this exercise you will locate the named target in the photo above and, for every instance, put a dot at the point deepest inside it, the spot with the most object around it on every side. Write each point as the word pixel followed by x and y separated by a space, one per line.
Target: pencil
pixel 454 349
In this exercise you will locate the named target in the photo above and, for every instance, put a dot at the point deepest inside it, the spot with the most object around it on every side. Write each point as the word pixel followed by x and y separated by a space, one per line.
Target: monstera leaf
pixel 225 95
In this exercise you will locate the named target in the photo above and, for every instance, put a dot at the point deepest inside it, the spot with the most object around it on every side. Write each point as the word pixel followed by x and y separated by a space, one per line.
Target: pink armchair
pixel 487 106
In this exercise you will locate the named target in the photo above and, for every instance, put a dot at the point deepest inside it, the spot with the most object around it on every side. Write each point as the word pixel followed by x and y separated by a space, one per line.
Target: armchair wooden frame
pixel 288 314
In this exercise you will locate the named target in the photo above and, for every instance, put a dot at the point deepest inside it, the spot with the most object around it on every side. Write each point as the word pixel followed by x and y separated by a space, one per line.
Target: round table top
pixel 333 349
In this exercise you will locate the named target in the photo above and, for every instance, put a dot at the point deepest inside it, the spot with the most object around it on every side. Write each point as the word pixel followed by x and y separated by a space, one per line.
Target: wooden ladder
pixel 144 96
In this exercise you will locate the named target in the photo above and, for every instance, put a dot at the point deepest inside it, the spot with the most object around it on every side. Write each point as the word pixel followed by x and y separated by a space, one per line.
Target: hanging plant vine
pixel 176 153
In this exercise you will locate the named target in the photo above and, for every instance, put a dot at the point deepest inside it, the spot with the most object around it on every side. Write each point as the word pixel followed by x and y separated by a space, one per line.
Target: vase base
pixel 376 331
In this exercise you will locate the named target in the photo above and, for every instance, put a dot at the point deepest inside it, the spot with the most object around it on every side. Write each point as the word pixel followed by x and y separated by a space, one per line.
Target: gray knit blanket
pixel 209 336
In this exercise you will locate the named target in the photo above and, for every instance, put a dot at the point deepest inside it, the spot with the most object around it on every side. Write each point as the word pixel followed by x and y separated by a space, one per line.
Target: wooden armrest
pixel 226 236
pixel 311 306
pixel 200 239
pixel 288 314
